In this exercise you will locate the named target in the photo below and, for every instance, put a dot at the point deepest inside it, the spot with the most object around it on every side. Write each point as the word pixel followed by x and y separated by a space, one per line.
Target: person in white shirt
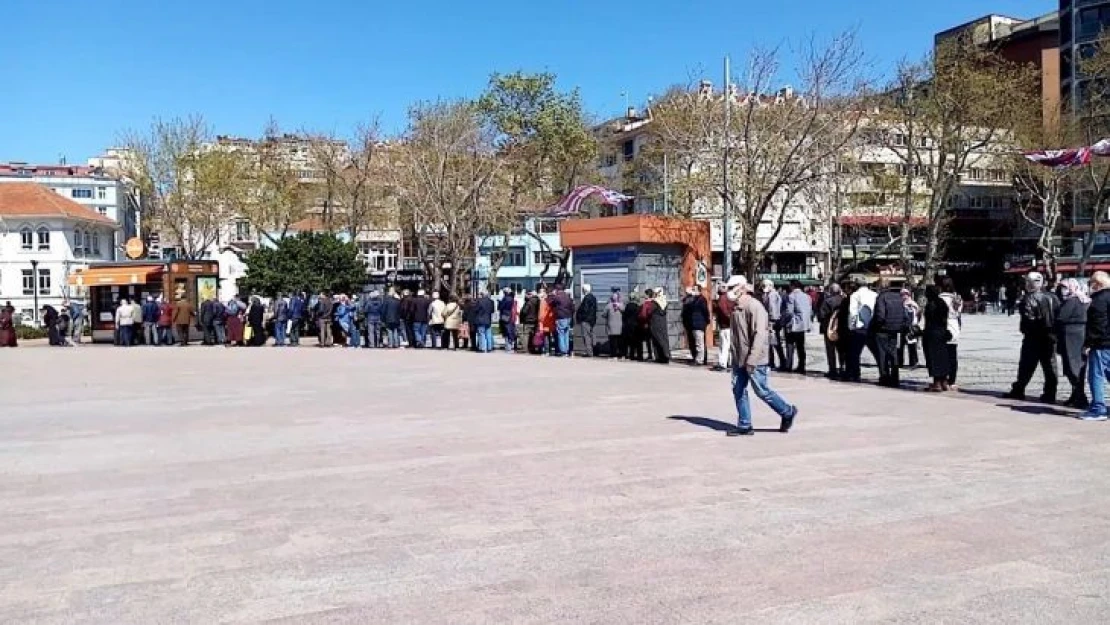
pixel 125 322
pixel 861 307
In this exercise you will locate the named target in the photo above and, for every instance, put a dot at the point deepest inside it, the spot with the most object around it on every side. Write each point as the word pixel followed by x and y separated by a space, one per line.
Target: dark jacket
pixel 324 309
pixel 562 305
pixel 829 305
pixel 296 308
pixel 1038 313
pixel 150 312
pixel 505 309
pixel 695 313
pixel 281 310
pixel 631 320
pixel 530 311
pixel 1098 320
pixel 587 310
pixel 255 315
pixel 844 318
pixel 722 311
pixel 890 313
pixel 420 306
pixel 483 311
pixel 208 312
pixel 391 311
pixel 372 309
pixel 50 315
pixel 408 309
pixel 1071 324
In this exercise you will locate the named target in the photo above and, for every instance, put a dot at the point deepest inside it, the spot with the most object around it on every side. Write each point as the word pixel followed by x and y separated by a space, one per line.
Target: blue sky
pixel 78 73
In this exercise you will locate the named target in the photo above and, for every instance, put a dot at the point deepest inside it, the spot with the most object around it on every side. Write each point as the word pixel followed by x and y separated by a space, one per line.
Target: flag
pixel 1061 159
pixel 572 203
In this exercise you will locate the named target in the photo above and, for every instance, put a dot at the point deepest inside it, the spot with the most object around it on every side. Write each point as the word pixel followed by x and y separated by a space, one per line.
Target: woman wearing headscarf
pixel 613 318
pixel 255 315
pixel 935 338
pixel 234 320
pixel 660 338
pixel 7 327
pixel 1071 326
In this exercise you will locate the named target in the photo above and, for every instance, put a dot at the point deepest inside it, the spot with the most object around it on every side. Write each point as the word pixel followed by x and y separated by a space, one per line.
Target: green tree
pixel 309 262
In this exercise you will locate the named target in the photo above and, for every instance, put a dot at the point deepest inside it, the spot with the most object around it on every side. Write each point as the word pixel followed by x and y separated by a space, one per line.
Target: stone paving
pixel 208 485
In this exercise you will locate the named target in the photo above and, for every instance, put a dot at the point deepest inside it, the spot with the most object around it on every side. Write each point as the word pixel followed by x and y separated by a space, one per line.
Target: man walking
pixel 586 316
pixel 798 319
pixel 1097 342
pixel 861 309
pixel 887 327
pixel 563 308
pixel 1038 344
pixel 324 310
pixel 827 316
pixel 750 348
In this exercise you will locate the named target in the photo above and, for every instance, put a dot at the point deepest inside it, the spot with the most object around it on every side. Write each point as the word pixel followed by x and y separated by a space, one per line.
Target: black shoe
pixel 1014 395
pixel 741 432
pixel 1047 399
pixel 788 422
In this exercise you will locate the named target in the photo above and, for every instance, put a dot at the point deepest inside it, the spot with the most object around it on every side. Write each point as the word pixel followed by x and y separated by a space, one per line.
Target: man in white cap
pixel 751 345
pixel 1038 344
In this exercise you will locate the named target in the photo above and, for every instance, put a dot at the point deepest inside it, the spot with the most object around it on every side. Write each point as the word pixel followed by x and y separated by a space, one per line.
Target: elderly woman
pixel 613 319
pixel 1071 324
pixel 657 327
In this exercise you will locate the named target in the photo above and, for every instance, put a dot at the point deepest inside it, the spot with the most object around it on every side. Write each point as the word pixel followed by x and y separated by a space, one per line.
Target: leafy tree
pixel 309 262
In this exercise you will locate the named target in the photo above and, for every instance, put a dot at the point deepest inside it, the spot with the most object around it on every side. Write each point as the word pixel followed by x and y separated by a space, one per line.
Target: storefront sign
pixel 606 257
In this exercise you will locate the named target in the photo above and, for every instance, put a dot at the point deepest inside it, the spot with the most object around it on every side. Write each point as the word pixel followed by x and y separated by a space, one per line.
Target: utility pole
pixel 726 208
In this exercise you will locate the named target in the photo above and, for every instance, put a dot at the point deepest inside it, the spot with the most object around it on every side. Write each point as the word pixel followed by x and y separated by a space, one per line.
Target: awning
pixel 117 276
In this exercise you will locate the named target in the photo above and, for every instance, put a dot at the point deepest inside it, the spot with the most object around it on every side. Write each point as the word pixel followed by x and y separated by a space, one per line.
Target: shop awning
pixel 117 276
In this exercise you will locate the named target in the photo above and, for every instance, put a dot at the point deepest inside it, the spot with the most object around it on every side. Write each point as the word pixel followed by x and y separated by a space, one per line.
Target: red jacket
pixel 165 315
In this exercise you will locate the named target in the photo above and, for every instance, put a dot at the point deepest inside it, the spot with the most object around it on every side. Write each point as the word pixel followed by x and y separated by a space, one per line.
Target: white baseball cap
pixel 736 281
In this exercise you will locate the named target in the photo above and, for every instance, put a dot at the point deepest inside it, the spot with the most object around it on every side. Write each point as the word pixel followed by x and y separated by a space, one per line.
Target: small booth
pixel 107 283
pixel 637 252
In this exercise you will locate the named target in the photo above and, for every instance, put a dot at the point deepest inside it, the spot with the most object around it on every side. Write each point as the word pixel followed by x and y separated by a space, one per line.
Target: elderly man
pixel 1038 344
pixel 1097 342
pixel 799 316
pixel 750 347
pixel 772 301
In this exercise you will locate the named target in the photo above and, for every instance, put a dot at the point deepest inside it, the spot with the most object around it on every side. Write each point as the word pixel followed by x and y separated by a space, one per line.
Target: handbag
pixel 832 333
pixel 248 332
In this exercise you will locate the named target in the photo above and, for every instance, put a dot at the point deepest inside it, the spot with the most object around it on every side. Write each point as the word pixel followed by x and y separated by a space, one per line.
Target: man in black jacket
pixel 887 325
pixel 408 312
pixel 483 320
pixel 420 305
pixel 1038 344
pixel 826 315
pixel 586 317
pixel 1097 342
pixel 695 319
pixel 391 319
pixel 324 309
pixel 529 319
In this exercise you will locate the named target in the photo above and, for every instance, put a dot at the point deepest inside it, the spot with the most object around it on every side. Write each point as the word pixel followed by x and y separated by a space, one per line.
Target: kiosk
pixel 107 283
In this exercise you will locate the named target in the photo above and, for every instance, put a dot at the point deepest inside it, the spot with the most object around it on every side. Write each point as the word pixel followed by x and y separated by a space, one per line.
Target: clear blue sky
pixel 78 72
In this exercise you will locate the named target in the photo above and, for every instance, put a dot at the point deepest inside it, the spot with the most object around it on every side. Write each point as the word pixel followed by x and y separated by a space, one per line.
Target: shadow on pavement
pixel 714 424
pixel 1040 410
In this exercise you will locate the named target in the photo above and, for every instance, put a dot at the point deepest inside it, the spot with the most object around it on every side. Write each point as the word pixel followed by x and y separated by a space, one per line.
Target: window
pixel 629 149
pixel 95 242
pixel 899 139
pixel 514 256
pixel 976 202
pixel 101 193
pixel 547 226
pixel 541 257
pixel 44 282
pixel 78 242
pixel 922 142
pixel 43 236
pixel 975 173
pixel 609 160
pixel 28 282
pixel 26 238
pixel 103 210
pixel 379 256
pixel 242 230
pixel 81 194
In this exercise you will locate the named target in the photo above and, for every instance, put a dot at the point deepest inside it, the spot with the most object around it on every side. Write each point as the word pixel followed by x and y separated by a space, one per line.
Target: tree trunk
pixel 749 254
pixel 932 251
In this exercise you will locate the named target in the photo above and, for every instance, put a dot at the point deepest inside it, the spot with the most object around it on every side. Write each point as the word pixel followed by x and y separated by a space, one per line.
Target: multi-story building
pixel 1081 24
pixel 526 262
pixel 100 189
pixel 44 237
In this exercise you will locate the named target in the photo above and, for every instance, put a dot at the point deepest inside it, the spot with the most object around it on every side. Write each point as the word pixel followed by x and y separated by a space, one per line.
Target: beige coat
pixel 435 312
pixel 452 316
pixel 751 332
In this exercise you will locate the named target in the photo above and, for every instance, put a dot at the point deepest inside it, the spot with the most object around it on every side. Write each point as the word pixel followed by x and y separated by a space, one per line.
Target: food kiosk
pixel 107 283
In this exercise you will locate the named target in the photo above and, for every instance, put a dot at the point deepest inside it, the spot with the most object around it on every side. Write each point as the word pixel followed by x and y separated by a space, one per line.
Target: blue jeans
pixel 125 335
pixel 394 332
pixel 1098 371
pixel 354 338
pixel 279 332
pixel 420 331
pixel 758 380
pixel 562 332
pixel 508 330
pixel 485 338
pixel 373 333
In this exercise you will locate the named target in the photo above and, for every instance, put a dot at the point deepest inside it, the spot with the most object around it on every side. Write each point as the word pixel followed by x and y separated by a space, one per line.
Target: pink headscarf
pixel 1073 288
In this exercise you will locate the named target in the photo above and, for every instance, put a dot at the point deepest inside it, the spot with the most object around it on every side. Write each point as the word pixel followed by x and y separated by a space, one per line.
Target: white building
pixel 43 238
pixel 525 259
pixel 100 189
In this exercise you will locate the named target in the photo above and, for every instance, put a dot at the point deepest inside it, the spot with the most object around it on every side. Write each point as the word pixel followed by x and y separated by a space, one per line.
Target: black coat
pixel 420 309
pixel 631 321
pixel 391 311
pixel 408 309
pixel 890 313
pixel 828 308
pixel 659 334
pixel 1071 326
pixel 1098 320
pixel 936 337
pixel 587 310
pixel 530 311
pixel 695 313
pixel 483 311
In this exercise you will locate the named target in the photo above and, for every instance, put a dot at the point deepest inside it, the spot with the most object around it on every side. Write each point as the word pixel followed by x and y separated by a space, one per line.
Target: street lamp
pixel 35 287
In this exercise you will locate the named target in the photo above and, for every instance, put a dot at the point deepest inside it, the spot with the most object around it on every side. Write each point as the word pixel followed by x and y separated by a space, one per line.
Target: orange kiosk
pixel 107 283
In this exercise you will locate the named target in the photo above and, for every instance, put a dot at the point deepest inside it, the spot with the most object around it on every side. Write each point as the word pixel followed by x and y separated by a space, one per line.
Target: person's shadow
pixel 714 424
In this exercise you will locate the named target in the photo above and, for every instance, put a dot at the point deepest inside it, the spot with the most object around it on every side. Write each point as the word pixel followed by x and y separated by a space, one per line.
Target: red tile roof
pixel 27 199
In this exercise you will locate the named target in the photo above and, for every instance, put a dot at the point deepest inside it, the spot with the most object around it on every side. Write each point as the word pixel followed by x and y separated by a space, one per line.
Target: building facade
pixel 526 262
pixel 44 237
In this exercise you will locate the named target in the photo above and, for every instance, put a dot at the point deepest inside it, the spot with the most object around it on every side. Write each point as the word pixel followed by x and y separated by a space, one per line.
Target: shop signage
pixel 606 257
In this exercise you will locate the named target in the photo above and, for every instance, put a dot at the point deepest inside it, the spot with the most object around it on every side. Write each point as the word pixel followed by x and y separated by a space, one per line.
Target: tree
pixel 191 189
pixel 544 144
pixel 760 148
pixel 442 173
pixel 308 262
pixel 953 112
pixel 280 196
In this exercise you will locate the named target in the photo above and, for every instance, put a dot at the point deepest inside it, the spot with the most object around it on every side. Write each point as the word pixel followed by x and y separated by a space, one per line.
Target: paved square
pixel 302 486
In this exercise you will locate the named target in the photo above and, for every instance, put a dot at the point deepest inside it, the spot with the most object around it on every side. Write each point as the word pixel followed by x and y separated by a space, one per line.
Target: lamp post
pixel 35 287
